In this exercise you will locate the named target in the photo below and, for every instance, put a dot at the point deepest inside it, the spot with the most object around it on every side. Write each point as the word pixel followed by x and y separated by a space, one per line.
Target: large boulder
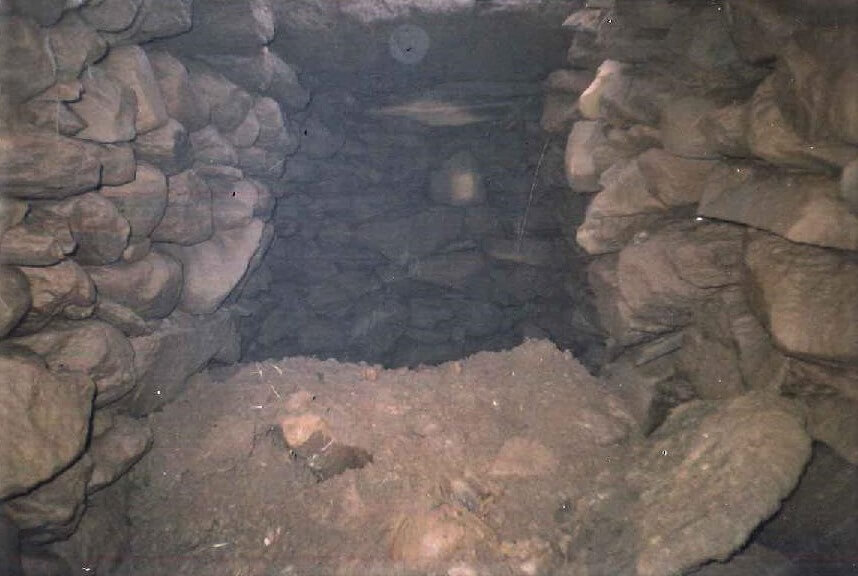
pixel 696 489
pixel 25 45
pixel 16 298
pixel 180 346
pixel 44 165
pixel 676 181
pixel 151 287
pixel 64 289
pixel 143 201
pixel 44 420
pixel 214 267
pixel 807 297
pixel 28 245
pixel 130 66
pixel 181 100
pixel 188 216
pixel 108 108
pixel 91 347
pixel 802 208
pixel 118 164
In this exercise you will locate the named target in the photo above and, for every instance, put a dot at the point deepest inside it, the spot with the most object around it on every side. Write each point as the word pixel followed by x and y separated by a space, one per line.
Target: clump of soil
pixel 316 467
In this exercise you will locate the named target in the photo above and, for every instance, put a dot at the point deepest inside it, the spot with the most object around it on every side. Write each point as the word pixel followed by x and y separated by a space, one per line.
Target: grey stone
pixel 15 300
pixel 182 102
pixel 26 45
pixel 168 148
pixel 75 45
pixel 188 217
pixel 143 201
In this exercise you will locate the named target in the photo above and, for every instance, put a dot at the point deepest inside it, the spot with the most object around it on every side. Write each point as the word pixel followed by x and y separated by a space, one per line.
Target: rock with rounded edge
pixel 143 201
pixel 233 202
pixel 119 164
pixel 100 231
pixel 214 267
pixel 623 208
pixel 589 103
pixel 589 152
pixel 130 66
pixel 46 166
pixel 91 347
pixel 44 423
pixel 111 15
pixel 210 147
pixel 25 45
pixel 228 103
pixel 150 287
pixel 75 45
pixel 108 108
pixel 45 12
pixel 849 185
pixel 117 450
pixel 15 299
pixel 229 26
pixel 807 297
pixel 681 127
pixel 64 289
pixel 167 147
pixel 53 510
pixel 181 100
pixel 188 217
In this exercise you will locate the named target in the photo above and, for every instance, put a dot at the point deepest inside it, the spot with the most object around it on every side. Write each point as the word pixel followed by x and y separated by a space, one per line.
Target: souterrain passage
pixel 505 463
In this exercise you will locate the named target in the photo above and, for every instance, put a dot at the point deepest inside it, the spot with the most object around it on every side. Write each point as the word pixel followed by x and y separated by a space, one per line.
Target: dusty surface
pixel 504 463
pixel 472 465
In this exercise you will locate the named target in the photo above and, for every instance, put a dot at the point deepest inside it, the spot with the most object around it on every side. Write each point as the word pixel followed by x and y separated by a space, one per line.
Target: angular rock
pixel 590 102
pixel 214 267
pixel 141 202
pixel 130 66
pixel 807 297
pixel 624 207
pixel 56 116
pixel 50 221
pixel 118 164
pixel 91 347
pixel 458 182
pixel 111 15
pixel 45 420
pixel 117 450
pixel 681 127
pixel 15 301
pixel 150 287
pixel 75 45
pixel 168 148
pixel 100 231
pixel 53 510
pixel 25 45
pixel 674 180
pixel 61 289
pixel 188 217
pixel 182 102
pixel 42 165
pixel 180 346
pixel 801 208
pixel 108 108
pixel 155 19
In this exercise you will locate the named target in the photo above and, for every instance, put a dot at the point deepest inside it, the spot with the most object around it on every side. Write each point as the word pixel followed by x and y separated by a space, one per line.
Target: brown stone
pixel 188 217
pixel 130 66
pixel 25 45
pixel 16 298
pixel 75 45
pixel 143 201
pixel 167 147
pixel 182 101
pixel 108 108
pixel 61 289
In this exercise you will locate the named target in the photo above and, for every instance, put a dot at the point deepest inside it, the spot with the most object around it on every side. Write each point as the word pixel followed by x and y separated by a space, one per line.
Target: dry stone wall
pixel 137 184
pixel 716 144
